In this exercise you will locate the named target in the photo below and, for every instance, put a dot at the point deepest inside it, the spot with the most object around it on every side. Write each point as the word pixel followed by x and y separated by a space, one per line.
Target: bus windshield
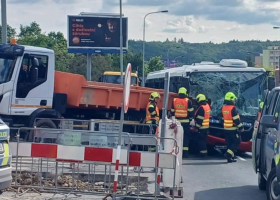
pixel 247 86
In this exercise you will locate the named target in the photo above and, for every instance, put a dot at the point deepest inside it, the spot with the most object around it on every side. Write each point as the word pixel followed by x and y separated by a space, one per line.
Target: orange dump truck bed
pixel 82 93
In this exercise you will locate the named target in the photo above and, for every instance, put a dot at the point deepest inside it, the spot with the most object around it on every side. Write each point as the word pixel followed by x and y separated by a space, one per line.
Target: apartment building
pixel 259 60
pixel 271 57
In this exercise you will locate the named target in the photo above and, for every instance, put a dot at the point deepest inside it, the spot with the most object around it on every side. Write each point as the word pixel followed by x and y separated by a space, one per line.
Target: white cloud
pixel 204 29
pixel 235 27
pixel 148 24
pixel 185 25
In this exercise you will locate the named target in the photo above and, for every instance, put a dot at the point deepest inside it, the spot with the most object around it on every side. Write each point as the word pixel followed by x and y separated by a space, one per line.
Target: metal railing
pixel 78 162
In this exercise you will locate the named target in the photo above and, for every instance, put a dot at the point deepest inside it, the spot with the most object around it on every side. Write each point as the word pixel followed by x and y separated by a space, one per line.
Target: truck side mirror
pixel 268 121
pixel 270 83
pixel 33 74
pixel 35 62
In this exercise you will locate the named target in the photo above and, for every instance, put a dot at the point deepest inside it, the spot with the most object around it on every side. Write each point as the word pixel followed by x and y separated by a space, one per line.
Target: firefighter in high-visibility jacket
pixel 152 113
pixel 182 110
pixel 202 122
pixel 232 126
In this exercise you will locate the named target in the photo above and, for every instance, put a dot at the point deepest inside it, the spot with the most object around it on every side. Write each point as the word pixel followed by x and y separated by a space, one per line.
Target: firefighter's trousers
pixel 233 141
pixel 186 140
pixel 201 140
pixel 153 129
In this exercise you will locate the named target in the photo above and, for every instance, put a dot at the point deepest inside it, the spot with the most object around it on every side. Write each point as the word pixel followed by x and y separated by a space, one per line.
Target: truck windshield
pixel 247 86
pixel 6 68
pixel 116 79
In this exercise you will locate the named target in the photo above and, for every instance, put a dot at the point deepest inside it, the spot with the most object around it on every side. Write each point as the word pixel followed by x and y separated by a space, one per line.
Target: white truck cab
pixel 26 84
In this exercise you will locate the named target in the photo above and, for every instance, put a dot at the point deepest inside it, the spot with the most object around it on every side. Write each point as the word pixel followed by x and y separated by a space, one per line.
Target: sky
pixel 193 20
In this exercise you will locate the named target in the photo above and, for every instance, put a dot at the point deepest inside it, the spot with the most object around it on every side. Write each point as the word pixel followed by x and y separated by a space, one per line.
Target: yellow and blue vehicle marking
pixel 6 154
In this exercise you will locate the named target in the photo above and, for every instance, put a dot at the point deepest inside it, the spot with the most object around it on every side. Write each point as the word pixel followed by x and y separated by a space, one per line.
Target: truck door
pixel 260 138
pixel 30 94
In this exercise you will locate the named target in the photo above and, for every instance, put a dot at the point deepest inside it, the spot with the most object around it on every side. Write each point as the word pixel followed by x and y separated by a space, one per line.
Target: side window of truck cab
pixel 26 81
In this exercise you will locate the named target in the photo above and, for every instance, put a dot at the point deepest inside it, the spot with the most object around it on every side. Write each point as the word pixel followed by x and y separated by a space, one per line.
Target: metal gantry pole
pixel 89 66
pixel 165 104
pixel 4 20
pixel 121 42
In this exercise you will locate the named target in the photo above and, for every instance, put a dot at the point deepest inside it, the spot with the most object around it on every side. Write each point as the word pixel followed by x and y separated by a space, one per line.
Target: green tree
pixel 33 29
pixel 249 60
pixel 154 64
pixel 11 32
pixel 99 64
pixel 32 35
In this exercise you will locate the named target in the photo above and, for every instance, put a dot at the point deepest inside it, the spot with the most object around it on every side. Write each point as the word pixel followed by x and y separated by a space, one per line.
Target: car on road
pixel 265 148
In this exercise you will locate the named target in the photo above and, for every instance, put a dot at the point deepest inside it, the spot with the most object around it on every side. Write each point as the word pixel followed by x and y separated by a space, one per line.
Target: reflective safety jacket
pixel 152 113
pixel 202 116
pixel 231 118
pixel 182 109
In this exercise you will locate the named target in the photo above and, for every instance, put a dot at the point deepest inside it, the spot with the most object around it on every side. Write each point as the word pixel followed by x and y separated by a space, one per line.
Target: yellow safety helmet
pixel 230 96
pixel 154 95
pixel 200 97
pixel 182 90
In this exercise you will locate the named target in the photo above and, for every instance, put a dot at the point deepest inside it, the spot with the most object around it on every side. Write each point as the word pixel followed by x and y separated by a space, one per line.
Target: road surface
pixel 214 179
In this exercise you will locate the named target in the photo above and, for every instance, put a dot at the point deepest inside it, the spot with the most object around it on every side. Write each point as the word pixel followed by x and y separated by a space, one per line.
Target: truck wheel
pixel 42 123
pixel 271 192
pixel 45 123
pixel 261 181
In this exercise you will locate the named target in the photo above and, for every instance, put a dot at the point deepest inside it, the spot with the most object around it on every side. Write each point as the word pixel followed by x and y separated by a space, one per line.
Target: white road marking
pixel 240 158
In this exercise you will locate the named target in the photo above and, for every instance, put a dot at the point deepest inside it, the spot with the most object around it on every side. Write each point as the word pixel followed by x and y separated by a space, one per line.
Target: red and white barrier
pixel 91 154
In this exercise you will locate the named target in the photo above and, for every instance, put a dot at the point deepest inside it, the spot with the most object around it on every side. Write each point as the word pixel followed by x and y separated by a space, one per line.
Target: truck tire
pixel 271 184
pixel 41 123
pixel 261 181
pixel 45 123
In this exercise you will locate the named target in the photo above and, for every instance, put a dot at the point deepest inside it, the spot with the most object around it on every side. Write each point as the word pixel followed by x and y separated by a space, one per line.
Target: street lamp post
pixel 4 20
pixel 178 57
pixel 168 54
pixel 143 67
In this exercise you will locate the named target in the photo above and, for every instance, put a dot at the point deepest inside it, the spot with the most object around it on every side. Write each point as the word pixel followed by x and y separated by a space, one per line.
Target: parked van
pixel 265 148
pixel 5 157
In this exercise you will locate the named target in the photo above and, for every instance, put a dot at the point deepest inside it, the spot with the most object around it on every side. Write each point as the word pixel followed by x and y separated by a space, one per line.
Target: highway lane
pixel 215 179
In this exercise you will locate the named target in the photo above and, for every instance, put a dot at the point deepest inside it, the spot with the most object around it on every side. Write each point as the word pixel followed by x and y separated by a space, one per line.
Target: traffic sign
pixel 127 83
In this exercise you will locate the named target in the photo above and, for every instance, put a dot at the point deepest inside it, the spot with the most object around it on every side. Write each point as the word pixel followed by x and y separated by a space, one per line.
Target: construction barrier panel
pixel 78 156
pixel 175 132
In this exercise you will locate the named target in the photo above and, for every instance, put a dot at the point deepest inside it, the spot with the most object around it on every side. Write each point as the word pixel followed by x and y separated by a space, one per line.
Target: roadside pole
pixel 121 42
pixel 4 20
pixel 164 109
pixel 124 108
pixel 89 66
